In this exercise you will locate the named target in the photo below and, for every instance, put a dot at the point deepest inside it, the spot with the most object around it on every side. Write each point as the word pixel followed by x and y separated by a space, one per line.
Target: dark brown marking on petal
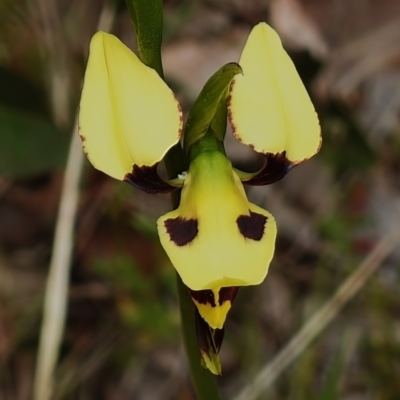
pixel 181 231
pixel 233 81
pixel 147 179
pixel 180 131
pixel 233 126
pixel 294 164
pixel 209 340
pixel 251 146
pixel 218 337
pixel 82 138
pixel 180 112
pixel 275 168
pixel 203 296
pixel 227 294
pixel 252 226
pixel 228 104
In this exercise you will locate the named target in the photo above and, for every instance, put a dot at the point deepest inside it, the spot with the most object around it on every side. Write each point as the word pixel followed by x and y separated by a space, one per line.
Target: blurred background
pixel 122 335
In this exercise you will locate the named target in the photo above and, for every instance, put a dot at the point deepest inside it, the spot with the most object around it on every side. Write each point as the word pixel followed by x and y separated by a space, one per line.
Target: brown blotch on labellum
pixel 181 231
pixel 252 226
pixel 205 296
pixel 82 138
pixel 227 294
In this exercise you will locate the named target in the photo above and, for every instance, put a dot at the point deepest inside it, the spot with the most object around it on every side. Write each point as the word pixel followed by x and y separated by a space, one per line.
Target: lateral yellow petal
pixel 216 238
pixel 269 107
pixel 128 115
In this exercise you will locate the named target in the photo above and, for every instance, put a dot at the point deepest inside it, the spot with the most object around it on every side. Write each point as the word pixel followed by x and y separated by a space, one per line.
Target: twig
pixel 55 303
pixel 320 319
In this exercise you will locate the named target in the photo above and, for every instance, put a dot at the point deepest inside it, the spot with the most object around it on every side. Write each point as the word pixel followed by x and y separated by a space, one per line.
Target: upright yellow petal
pixel 269 108
pixel 128 115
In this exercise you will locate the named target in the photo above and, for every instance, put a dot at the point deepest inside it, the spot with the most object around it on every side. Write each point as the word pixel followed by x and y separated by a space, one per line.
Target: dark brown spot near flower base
pixel 181 231
pixel 207 296
pixel 147 179
pixel 203 296
pixel 252 226
pixel 275 168
pixel 227 294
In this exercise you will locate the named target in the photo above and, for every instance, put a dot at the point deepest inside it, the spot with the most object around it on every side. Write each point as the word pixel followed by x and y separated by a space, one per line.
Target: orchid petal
pixel 128 115
pixel 269 107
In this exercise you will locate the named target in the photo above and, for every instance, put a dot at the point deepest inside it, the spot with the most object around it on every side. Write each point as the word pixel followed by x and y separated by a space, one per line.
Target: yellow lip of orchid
pixel 128 115
pixel 216 238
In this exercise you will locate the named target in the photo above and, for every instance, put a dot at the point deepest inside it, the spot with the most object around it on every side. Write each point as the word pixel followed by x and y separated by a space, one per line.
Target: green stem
pixel 147 18
pixel 205 384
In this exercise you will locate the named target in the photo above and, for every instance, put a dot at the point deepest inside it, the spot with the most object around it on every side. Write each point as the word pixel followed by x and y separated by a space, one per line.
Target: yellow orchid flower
pixel 216 239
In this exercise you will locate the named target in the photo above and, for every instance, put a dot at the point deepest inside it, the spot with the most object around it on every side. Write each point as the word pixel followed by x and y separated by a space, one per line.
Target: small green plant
pixel 216 239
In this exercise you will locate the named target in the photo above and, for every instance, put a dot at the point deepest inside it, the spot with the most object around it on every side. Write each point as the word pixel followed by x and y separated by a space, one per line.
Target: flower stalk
pixel 148 27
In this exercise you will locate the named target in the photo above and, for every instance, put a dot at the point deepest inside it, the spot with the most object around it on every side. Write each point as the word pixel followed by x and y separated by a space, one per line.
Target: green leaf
pixel 147 18
pixel 209 108
pixel 29 144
